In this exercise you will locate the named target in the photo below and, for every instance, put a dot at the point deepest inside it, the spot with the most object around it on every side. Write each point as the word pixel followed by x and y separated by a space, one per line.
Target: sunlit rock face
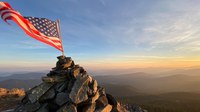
pixel 68 88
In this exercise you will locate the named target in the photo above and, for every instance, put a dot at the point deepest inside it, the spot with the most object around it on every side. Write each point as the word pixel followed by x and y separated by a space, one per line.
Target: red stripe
pixel 7 4
pixel 23 19
pixel 31 32
pixel 35 36
pixel 4 8
pixel 58 41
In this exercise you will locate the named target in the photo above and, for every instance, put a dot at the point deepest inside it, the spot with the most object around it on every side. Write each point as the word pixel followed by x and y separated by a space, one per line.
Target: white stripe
pixel 31 26
pixel 17 18
pixel 49 39
pixel 2 5
pixel 57 43
pixel 9 11
pixel 54 38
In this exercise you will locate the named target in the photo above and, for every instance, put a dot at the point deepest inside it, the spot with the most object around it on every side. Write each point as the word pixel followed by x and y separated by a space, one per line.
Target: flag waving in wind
pixel 42 29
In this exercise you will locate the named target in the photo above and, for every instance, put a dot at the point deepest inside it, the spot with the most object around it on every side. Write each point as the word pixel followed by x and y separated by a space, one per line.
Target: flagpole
pixel 59 35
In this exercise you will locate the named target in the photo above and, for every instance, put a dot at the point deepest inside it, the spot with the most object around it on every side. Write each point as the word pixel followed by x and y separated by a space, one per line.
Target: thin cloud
pixel 30 45
pixel 149 56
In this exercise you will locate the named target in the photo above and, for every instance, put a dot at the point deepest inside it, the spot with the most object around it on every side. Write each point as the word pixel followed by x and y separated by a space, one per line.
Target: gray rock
pixel 101 91
pixel 75 72
pixel 68 108
pixel 62 86
pixel 111 100
pixel 70 85
pixel 63 63
pixel 44 108
pixel 35 93
pixel 119 108
pixel 62 98
pixel 102 101
pixel 50 94
pixel 54 79
pixel 48 79
pixel 89 108
pixel 106 108
pixel 20 108
pixel 78 93
pixel 93 86
pixel 95 97
pixel 69 88
pixel 31 107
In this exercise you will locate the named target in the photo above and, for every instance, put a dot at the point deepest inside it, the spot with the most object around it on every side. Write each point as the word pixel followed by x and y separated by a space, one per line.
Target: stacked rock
pixel 68 88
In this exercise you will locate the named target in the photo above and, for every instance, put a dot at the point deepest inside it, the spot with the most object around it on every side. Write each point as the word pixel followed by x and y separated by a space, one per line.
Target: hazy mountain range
pixel 25 76
pixel 130 84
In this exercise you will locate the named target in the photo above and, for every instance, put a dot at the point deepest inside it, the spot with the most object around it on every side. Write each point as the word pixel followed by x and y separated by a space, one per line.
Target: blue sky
pixel 107 33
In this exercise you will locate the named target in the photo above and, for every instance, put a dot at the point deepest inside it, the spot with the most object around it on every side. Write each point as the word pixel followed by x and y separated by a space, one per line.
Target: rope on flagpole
pixel 59 35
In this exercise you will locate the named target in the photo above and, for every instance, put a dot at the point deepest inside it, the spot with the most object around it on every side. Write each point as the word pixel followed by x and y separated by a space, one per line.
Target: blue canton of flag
pixel 45 26
pixel 42 29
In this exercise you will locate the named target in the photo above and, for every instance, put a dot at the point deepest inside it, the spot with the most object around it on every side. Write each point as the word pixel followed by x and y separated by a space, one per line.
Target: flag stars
pixel 45 26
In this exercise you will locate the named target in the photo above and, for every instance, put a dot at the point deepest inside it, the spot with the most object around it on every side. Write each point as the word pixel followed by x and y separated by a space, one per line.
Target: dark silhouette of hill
pixel 129 79
pixel 152 84
pixel 190 70
pixel 167 102
pixel 176 83
pixel 121 90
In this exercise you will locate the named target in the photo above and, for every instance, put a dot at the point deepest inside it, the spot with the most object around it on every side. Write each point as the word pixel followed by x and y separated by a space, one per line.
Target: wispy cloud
pixel 149 56
pixel 30 45
pixel 193 46
pixel 175 28
pixel 131 25
pixel 110 30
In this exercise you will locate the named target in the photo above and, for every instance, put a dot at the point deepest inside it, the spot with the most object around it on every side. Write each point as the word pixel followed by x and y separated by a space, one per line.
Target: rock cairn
pixel 68 88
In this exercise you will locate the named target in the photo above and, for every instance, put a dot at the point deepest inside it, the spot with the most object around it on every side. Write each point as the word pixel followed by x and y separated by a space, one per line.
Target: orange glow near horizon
pixel 144 63
pixel 110 63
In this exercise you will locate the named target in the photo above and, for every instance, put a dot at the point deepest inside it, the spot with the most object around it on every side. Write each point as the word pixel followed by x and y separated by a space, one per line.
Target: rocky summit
pixel 68 88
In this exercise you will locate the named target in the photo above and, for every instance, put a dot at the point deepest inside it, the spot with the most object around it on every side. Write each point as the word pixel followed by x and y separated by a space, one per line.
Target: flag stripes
pixel 7 13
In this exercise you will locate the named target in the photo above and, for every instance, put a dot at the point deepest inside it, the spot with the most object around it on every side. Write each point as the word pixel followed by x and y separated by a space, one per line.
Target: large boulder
pixel 79 91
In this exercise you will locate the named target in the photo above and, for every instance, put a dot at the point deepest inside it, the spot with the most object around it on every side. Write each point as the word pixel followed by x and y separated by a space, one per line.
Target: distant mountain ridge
pixel 125 90
pixel 19 83
pixel 25 76
pixel 132 83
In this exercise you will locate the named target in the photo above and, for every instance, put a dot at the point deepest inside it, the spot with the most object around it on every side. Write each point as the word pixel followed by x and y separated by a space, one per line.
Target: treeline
pixel 179 102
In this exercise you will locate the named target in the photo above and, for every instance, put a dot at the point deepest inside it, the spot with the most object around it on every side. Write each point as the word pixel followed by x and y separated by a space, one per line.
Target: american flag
pixel 42 29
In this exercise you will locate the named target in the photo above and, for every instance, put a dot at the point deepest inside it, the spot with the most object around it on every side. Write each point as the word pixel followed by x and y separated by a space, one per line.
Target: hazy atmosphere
pixel 144 54
pixel 107 34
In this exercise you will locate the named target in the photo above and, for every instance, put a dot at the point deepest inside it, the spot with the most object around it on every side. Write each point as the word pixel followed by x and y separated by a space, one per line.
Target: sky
pixel 107 34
